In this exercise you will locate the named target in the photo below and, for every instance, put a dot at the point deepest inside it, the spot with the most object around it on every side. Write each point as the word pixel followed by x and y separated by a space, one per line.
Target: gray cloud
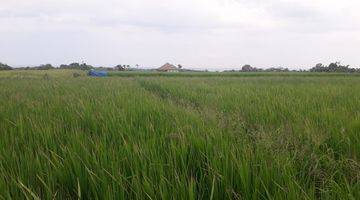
pixel 199 33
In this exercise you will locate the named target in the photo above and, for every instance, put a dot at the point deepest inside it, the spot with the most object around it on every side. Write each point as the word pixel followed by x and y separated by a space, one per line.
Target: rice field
pixel 179 136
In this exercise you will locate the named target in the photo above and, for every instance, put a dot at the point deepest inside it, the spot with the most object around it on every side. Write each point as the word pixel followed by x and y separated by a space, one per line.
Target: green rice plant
pixel 179 136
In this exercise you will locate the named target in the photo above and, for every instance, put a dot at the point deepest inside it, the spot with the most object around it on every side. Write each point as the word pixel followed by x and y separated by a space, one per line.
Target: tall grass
pixel 151 137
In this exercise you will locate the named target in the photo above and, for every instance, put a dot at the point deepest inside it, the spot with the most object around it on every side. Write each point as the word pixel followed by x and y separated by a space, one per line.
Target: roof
pixel 167 67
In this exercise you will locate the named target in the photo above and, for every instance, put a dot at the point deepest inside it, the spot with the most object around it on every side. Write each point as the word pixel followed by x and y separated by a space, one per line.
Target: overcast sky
pixel 218 34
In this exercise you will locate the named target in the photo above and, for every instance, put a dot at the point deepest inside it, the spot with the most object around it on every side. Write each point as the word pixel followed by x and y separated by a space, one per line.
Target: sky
pixel 198 34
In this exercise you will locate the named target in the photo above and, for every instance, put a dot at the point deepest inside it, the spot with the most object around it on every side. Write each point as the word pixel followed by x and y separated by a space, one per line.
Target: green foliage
pixel 333 67
pixel 122 67
pixel 77 66
pixel 5 67
pixel 255 136
pixel 248 68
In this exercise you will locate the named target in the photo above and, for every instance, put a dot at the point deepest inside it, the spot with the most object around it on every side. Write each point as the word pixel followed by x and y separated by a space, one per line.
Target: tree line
pixel 76 66
pixel 332 67
pixel 249 68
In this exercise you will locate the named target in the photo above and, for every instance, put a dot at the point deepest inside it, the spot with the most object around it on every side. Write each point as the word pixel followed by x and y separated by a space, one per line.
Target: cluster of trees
pixel 333 67
pixel 85 66
pixel 5 67
pixel 82 66
pixel 78 66
pixel 122 67
pixel 249 68
pixel 40 67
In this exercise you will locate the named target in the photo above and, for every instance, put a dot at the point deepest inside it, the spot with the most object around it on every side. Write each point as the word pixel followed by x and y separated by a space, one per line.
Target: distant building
pixel 168 68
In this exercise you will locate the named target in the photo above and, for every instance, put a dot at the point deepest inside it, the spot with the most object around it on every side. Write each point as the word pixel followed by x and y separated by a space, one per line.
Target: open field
pixel 178 136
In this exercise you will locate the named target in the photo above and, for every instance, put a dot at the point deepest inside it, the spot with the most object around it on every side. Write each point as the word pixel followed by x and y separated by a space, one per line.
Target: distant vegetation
pixel 332 67
pixel 78 66
pixel 44 67
pixel 122 67
pixel 5 67
pixel 249 68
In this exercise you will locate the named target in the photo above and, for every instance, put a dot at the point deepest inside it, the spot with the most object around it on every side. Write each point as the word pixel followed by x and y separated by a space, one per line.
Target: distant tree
pixel 5 67
pixel 120 67
pixel 337 67
pixel 78 66
pixel 74 66
pixel 247 68
pixel 180 66
pixel 318 68
pixel 333 67
pixel 70 66
pixel 319 65
pixel 84 66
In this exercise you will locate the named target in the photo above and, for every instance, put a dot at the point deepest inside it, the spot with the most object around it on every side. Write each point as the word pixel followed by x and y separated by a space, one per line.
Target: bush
pixel 5 67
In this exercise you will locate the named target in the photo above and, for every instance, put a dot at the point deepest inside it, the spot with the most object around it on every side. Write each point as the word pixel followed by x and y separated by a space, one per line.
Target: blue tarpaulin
pixel 98 73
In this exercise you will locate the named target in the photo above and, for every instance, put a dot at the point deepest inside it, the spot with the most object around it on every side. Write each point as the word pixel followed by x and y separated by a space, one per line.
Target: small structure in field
pixel 97 73
pixel 168 68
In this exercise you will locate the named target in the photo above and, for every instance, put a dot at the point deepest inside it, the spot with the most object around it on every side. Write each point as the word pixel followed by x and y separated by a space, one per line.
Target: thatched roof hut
pixel 168 68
